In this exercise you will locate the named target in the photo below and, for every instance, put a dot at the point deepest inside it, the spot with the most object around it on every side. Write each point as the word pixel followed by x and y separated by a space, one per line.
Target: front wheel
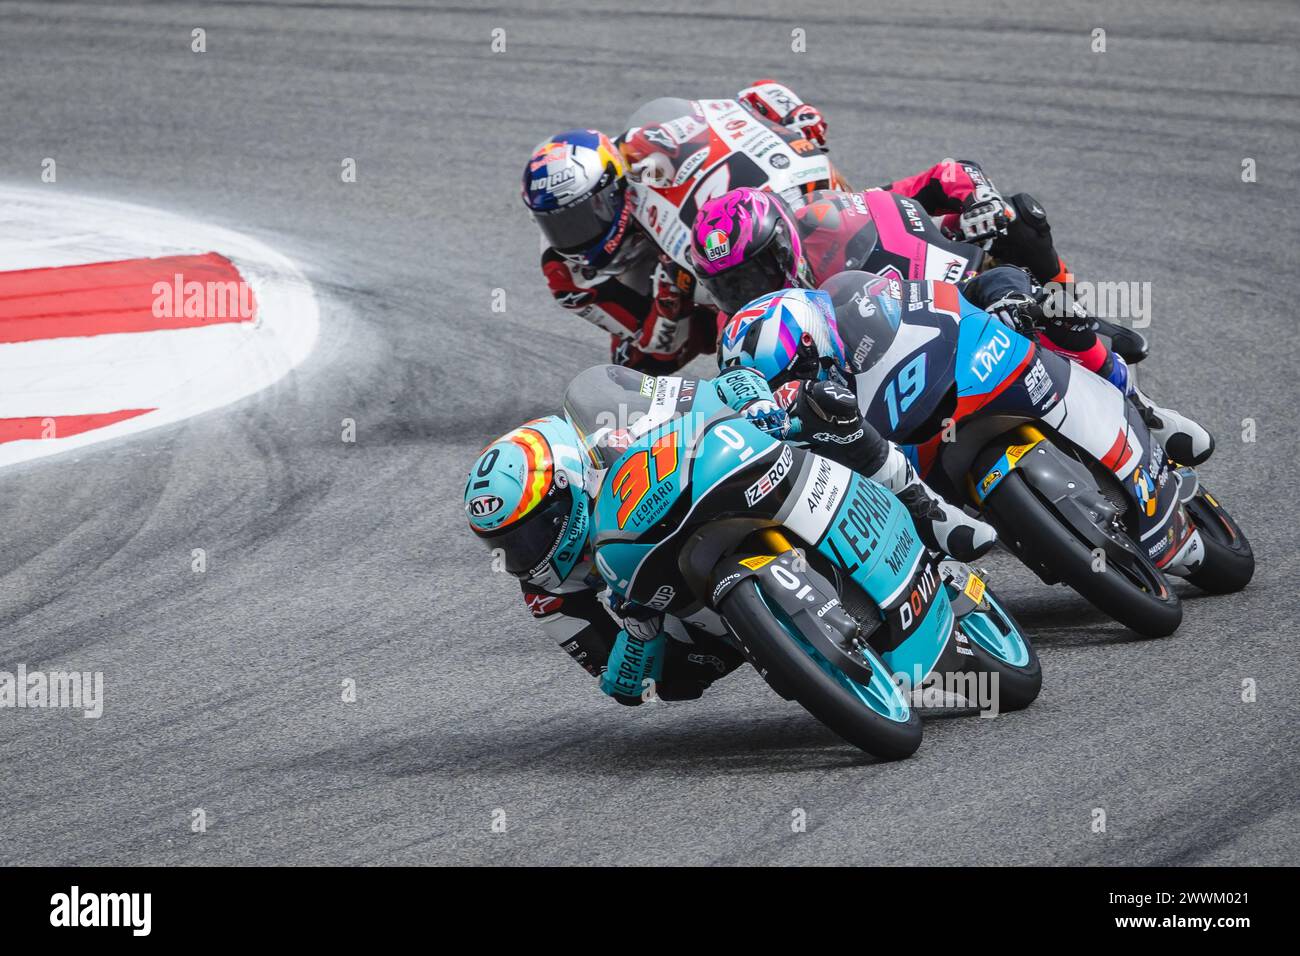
pixel 1000 647
pixel 874 717
pixel 1129 588
pixel 1229 562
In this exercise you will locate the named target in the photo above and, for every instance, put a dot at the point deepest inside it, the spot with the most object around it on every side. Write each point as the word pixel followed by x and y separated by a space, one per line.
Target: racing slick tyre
pixel 1018 683
pixel 1229 562
pixel 875 718
pixel 1131 591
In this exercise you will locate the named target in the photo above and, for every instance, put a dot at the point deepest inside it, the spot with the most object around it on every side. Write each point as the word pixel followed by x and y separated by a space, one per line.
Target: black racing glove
pixel 1018 311
pixel 828 413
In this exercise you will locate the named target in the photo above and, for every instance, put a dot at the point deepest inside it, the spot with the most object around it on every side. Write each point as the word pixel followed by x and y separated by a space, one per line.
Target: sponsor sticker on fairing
pixel 689 166
pixel 1038 382
pixel 763 487
pixel 722 585
pixel 663 597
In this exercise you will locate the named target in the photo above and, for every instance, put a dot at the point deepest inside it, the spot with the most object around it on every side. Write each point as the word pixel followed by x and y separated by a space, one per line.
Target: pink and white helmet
pixel 745 245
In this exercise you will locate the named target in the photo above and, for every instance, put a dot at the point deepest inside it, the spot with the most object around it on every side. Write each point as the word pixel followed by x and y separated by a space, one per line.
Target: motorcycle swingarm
pixel 1072 493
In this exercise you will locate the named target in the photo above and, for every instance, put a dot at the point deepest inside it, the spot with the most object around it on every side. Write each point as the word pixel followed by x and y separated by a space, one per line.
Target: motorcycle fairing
pixel 910 246
pixel 866 531
pixel 719 456
pixel 1093 415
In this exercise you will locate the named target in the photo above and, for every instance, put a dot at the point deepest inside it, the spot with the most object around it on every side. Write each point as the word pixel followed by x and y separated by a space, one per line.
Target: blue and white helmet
pixel 575 184
pixel 525 498
pixel 786 336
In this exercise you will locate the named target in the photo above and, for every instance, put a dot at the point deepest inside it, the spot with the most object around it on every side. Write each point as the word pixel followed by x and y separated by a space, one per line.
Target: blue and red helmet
pixel 525 498
pixel 786 336
pixel 575 184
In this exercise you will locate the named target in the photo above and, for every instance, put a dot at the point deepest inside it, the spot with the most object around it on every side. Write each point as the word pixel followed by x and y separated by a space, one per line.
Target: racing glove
pixel 769 417
pixel 984 214
pixel 636 661
pixel 1018 311
pixel 778 103
pixel 744 390
pixel 825 412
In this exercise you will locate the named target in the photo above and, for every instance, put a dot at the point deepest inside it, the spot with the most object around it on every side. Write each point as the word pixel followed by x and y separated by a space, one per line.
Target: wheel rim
pixel 1142 574
pixel 881 696
pixel 1135 569
pixel 996 633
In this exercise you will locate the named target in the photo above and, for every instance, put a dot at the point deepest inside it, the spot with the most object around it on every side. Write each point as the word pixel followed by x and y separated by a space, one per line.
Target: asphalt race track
pixel 330 561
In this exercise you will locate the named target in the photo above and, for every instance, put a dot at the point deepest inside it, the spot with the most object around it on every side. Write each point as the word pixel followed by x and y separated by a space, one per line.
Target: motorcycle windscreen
pixel 663 110
pixel 602 403
pixel 611 407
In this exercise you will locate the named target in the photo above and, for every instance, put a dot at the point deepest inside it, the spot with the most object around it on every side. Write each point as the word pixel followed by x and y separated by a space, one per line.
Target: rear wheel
pixel 1229 563
pixel 874 717
pixel 1128 587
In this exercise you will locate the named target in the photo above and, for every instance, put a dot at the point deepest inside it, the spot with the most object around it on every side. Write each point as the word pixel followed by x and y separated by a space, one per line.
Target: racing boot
pixel 1186 441
pixel 943 527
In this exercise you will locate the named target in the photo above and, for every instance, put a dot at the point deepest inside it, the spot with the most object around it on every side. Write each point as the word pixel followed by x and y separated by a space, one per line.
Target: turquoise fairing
pixel 711 440
pixel 873 538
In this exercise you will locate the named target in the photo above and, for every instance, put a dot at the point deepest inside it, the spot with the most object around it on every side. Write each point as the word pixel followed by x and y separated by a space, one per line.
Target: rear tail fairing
pixel 910 246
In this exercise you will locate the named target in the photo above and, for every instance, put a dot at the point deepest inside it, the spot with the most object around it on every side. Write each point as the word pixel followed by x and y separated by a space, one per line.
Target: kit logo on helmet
pixel 485 505
pixel 547 153
pixel 716 245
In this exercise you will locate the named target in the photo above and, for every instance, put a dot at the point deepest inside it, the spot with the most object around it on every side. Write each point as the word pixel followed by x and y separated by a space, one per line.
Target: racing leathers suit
pixel 835 229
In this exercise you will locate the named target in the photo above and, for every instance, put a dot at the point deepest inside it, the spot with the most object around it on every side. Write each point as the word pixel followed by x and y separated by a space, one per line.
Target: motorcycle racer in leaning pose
pixel 747 243
pixel 599 261
pixel 528 499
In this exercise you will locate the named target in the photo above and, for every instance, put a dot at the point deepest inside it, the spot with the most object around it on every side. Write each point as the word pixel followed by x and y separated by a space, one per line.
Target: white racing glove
pixel 778 103
pixel 769 417
pixel 1017 311
pixel 984 215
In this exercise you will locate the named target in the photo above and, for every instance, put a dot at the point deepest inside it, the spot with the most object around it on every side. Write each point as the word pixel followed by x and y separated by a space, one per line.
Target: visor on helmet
pixel 805 367
pixel 574 229
pixel 769 270
pixel 528 543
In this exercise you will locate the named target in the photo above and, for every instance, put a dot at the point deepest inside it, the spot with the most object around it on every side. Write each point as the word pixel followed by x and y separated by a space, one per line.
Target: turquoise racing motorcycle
pixel 814 572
